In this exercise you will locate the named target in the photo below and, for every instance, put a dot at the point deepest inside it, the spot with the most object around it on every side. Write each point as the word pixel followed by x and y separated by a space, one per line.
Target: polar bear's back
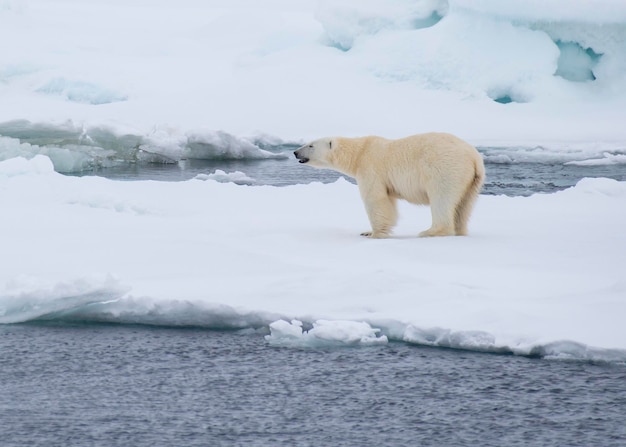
pixel 432 146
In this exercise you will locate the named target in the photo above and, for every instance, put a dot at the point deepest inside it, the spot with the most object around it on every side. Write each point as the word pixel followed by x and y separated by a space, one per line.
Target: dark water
pixel 513 179
pixel 106 385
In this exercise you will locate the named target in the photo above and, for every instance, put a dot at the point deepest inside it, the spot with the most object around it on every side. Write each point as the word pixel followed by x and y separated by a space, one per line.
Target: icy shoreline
pixel 75 148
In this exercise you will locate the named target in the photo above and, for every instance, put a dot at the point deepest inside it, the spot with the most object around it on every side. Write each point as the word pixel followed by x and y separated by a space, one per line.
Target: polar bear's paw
pixel 375 235
pixel 437 232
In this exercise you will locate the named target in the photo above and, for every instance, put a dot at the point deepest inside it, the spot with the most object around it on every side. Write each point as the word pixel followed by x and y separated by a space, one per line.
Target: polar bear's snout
pixel 302 154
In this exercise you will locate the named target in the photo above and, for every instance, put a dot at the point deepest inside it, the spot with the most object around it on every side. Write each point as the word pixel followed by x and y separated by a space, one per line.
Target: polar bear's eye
pixel 330 144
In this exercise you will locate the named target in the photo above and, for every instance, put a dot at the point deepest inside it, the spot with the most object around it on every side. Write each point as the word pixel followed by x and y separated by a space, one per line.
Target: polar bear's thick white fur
pixel 435 169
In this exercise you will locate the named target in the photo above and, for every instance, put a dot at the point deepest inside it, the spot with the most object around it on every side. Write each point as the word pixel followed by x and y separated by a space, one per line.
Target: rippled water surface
pixel 510 178
pixel 68 384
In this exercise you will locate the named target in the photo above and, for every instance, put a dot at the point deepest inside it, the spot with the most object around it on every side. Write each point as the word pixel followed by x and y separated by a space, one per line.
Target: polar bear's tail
pixel 465 206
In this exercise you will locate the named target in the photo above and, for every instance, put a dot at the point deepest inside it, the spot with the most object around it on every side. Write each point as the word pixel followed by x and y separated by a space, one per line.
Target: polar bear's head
pixel 317 153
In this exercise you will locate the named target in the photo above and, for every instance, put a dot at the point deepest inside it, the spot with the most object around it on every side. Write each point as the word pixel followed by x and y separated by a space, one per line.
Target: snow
pixel 303 69
pixel 539 275
pixel 86 84
pixel 139 81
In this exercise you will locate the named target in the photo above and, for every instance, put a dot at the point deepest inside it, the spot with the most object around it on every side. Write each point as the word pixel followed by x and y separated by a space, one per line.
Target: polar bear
pixel 436 169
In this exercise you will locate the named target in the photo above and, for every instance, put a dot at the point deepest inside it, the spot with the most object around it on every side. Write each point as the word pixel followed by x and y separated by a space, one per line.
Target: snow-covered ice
pixel 236 177
pixel 302 69
pixel 87 84
pixel 537 275
pixel 324 333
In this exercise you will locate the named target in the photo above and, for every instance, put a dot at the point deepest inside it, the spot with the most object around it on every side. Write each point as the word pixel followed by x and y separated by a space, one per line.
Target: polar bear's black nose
pixel 301 158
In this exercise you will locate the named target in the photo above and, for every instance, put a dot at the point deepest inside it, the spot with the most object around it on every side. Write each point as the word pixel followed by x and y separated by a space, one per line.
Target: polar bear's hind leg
pixel 442 218
pixel 464 208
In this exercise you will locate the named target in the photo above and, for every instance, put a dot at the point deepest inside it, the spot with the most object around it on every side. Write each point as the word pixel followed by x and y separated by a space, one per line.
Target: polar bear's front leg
pixel 381 211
